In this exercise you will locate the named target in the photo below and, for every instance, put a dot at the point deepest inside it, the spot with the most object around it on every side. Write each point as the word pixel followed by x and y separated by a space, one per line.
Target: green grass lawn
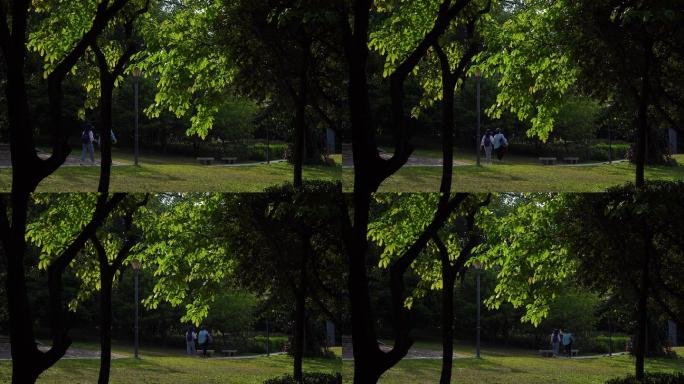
pixel 519 176
pixel 178 177
pixel 516 367
pixel 156 367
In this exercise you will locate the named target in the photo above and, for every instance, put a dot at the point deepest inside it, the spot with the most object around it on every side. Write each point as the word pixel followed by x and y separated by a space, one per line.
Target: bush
pixel 308 378
pixel 651 378
pixel 585 151
pixel 277 344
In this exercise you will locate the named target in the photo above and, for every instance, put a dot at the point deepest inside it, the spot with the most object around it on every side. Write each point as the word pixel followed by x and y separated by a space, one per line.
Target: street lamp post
pixel 478 77
pixel 136 268
pixel 137 72
pixel 478 268
pixel 610 145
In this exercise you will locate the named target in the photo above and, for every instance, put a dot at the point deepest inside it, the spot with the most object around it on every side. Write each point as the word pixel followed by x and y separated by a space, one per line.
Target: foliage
pixel 188 264
pixel 59 219
pixel 522 245
pixel 651 378
pixel 193 77
pixel 534 73
pixel 610 233
pixel 308 378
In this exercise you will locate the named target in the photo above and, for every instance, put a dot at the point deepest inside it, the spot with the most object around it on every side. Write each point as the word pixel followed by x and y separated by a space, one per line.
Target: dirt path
pixel 72 353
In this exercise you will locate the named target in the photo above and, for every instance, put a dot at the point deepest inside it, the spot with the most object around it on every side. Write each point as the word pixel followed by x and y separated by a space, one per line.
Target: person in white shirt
pixel 500 144
pixel 487 144
pixel 87 139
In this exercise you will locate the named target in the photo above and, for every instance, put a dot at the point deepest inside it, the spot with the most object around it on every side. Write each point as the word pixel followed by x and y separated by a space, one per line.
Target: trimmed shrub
pixel 308 378
pixel 651 378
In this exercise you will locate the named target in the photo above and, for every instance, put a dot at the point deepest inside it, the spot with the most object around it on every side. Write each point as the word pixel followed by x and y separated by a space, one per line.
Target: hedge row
pixel 597 152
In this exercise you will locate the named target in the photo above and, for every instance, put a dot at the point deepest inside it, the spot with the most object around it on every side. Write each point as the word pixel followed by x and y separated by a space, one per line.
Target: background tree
pixel 99 263
pixel 28 169
pixel 627 240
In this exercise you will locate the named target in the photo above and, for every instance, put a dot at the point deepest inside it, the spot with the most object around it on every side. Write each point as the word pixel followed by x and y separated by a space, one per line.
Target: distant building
pixel 330 333
pixel 330 141
pixel 673 141
pixel 672 332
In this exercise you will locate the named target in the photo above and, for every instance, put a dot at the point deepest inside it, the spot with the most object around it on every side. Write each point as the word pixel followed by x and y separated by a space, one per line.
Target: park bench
pixel 209 352
pixel 547 160
pixel 229 352
pixel 229 160
pixel 205 160
pixel 571 160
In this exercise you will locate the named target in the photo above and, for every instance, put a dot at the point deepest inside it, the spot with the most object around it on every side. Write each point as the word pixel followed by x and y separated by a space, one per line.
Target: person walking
pixel 500 144
pixel 567 342
pixel 190 338
pixel 487 144
pixel 87 139
pixel 203 338
pixel 555 341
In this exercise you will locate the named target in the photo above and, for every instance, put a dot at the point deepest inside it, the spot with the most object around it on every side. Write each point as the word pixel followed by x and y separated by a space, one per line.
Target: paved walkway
pixel 413 353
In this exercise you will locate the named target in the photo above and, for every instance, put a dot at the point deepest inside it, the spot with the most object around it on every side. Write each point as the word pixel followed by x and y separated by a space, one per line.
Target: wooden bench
pixel 229 352
pixel 229 160
pixel 209 352
pixel 546 352
pixel 205 160
pixel 547 160
pixel 571 160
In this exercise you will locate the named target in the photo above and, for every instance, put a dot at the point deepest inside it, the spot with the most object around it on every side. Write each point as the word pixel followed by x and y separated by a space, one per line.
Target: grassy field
pixel 156 367
pixel 520 176
pixel 157 176
pixel 517 367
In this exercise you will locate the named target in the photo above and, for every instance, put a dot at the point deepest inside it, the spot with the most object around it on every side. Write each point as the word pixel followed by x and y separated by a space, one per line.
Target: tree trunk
pixel 106 90
pixel 24 351
pixel 642 310
pixel 300 118
pixel 300 312
pixel 642 119
pixel 105 324
pixel 448 281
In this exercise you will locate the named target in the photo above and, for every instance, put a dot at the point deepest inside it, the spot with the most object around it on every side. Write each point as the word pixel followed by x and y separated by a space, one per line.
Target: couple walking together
pixel 203 338
pixel 496 143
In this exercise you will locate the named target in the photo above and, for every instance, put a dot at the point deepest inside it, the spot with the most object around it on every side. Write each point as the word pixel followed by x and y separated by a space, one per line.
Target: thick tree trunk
pixel 24 352
pixel 105 324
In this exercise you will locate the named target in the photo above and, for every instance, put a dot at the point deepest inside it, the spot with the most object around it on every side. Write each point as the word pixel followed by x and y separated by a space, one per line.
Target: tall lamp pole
pixel 478 77
pixel 478 268
pixel 137 72
pixel 136 268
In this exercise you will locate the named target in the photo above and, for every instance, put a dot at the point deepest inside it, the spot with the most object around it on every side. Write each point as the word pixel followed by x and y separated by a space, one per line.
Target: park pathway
pixel 413 353
pixel 413 161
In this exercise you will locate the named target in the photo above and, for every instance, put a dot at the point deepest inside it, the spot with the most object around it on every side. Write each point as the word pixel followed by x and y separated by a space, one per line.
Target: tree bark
pixel 448 282
pixel 300 117
pixel 105 324
pixel 300 311
pixel 642 309
pixel 643 99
